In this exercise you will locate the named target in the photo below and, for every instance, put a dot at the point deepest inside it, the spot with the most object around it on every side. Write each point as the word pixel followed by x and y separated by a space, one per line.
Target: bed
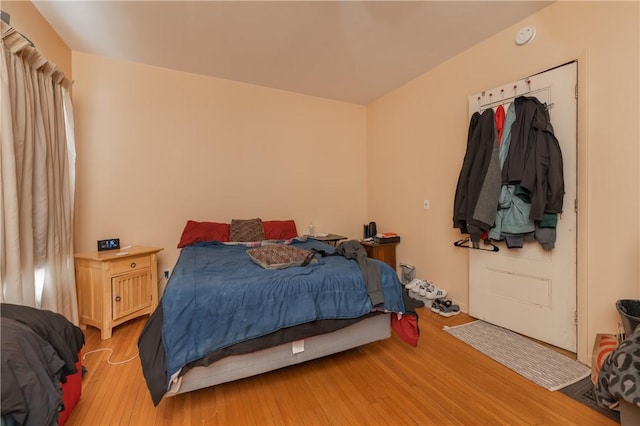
pixel 225 316
pixel 41 366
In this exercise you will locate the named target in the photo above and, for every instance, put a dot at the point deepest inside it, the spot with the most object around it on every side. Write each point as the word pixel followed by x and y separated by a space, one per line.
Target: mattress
pixel 235 367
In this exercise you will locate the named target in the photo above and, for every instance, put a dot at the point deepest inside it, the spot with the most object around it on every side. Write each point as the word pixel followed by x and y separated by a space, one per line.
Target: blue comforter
pixel 217 296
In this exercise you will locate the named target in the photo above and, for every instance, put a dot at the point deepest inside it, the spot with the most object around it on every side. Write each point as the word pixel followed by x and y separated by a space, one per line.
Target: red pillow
pixel 279 229
pixel 203 231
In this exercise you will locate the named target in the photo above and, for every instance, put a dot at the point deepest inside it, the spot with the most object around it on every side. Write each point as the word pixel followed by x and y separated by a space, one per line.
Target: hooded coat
pixel 534 160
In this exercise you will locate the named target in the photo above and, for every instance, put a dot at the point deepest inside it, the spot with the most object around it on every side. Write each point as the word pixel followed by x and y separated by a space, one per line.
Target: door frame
pixel 583 342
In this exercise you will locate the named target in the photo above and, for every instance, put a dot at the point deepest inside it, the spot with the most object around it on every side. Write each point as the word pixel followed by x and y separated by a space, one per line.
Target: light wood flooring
pixel 441 382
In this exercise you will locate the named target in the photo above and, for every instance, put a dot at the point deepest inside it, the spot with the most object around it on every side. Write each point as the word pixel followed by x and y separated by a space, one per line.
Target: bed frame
pixel 236 367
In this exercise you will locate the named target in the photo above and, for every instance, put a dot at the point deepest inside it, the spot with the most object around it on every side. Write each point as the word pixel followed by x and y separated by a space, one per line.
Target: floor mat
pixel 537 363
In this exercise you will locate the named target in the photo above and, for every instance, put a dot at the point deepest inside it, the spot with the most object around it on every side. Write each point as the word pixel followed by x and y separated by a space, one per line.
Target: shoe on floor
pixel 414 284
pixel 416 300
pixel 423 287
pixel 435 306
pixel 434 292
pixel 448 309
pixel 429 291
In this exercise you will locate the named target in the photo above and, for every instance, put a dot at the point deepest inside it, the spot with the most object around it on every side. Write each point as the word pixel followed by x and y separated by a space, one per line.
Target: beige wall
pixel 421 128
pixel 27 20
pixel 157 147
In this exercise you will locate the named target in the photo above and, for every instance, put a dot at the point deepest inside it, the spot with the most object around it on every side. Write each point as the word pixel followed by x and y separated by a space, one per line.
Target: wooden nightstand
pixel 116 286
pixel 384 252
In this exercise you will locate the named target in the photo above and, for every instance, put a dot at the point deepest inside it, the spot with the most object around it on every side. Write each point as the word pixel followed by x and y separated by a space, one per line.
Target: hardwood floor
pixel 441 382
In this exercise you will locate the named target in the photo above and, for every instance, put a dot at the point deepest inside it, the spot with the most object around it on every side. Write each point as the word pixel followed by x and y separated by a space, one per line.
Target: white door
pixel 530 290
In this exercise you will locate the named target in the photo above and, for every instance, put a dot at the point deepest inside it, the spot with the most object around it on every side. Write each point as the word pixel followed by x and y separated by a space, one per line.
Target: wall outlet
pixel 426 204
pixel 166 274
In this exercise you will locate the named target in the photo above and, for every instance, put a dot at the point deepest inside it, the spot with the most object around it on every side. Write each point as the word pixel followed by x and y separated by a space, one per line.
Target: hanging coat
pixel 480 161
pixel 534 160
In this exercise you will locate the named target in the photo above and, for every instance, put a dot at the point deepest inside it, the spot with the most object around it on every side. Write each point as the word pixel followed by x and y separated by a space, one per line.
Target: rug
pixel 541 365
pixel 582 391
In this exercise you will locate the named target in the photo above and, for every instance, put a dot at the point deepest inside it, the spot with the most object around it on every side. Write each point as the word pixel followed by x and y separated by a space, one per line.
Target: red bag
pixel 406 327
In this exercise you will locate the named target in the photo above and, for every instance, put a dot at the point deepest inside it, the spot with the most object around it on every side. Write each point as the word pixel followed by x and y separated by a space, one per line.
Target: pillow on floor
pixel 280 256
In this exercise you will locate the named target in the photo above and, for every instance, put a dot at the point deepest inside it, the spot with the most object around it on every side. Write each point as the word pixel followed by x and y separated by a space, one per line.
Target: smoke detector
pixel 525 35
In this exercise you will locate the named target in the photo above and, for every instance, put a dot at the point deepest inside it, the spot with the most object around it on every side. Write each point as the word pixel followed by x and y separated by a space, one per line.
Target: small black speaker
pixel 373 229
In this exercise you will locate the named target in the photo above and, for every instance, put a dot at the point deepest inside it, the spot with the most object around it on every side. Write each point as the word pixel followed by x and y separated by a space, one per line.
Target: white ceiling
pixel 354 51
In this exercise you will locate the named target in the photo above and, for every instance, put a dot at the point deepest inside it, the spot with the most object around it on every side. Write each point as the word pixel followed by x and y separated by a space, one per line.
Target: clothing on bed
pixel 369 269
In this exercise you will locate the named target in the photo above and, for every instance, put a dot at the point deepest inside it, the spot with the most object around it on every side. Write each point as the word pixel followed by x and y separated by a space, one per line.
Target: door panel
pixel 530 290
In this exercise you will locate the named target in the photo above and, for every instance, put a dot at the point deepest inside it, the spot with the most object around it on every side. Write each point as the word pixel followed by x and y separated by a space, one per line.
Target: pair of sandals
pixel 445 307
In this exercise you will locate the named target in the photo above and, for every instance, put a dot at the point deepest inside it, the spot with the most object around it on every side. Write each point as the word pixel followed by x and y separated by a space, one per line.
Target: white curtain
pixel 37 156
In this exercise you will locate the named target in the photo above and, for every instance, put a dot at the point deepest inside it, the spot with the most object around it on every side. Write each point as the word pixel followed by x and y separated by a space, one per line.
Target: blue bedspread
pixel 217 297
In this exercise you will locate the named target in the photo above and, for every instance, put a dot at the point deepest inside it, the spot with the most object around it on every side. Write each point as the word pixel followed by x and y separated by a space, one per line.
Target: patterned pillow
pixel 246 230
pixel 280 256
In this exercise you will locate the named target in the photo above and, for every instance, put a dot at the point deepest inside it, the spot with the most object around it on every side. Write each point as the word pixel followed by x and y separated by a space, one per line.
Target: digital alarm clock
pixel 110 244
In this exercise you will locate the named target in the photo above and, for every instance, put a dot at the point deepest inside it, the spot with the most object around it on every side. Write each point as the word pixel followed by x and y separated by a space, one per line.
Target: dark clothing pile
pixel 39 350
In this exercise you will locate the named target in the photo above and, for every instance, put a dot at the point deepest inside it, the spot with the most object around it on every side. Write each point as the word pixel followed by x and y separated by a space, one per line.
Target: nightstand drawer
pixel 130 264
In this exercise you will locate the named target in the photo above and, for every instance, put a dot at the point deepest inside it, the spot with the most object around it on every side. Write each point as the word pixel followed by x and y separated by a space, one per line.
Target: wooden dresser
pixel 116 286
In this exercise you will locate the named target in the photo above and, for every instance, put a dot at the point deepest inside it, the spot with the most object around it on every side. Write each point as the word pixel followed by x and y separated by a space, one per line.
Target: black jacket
pixel 534 160
pixel 480 142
